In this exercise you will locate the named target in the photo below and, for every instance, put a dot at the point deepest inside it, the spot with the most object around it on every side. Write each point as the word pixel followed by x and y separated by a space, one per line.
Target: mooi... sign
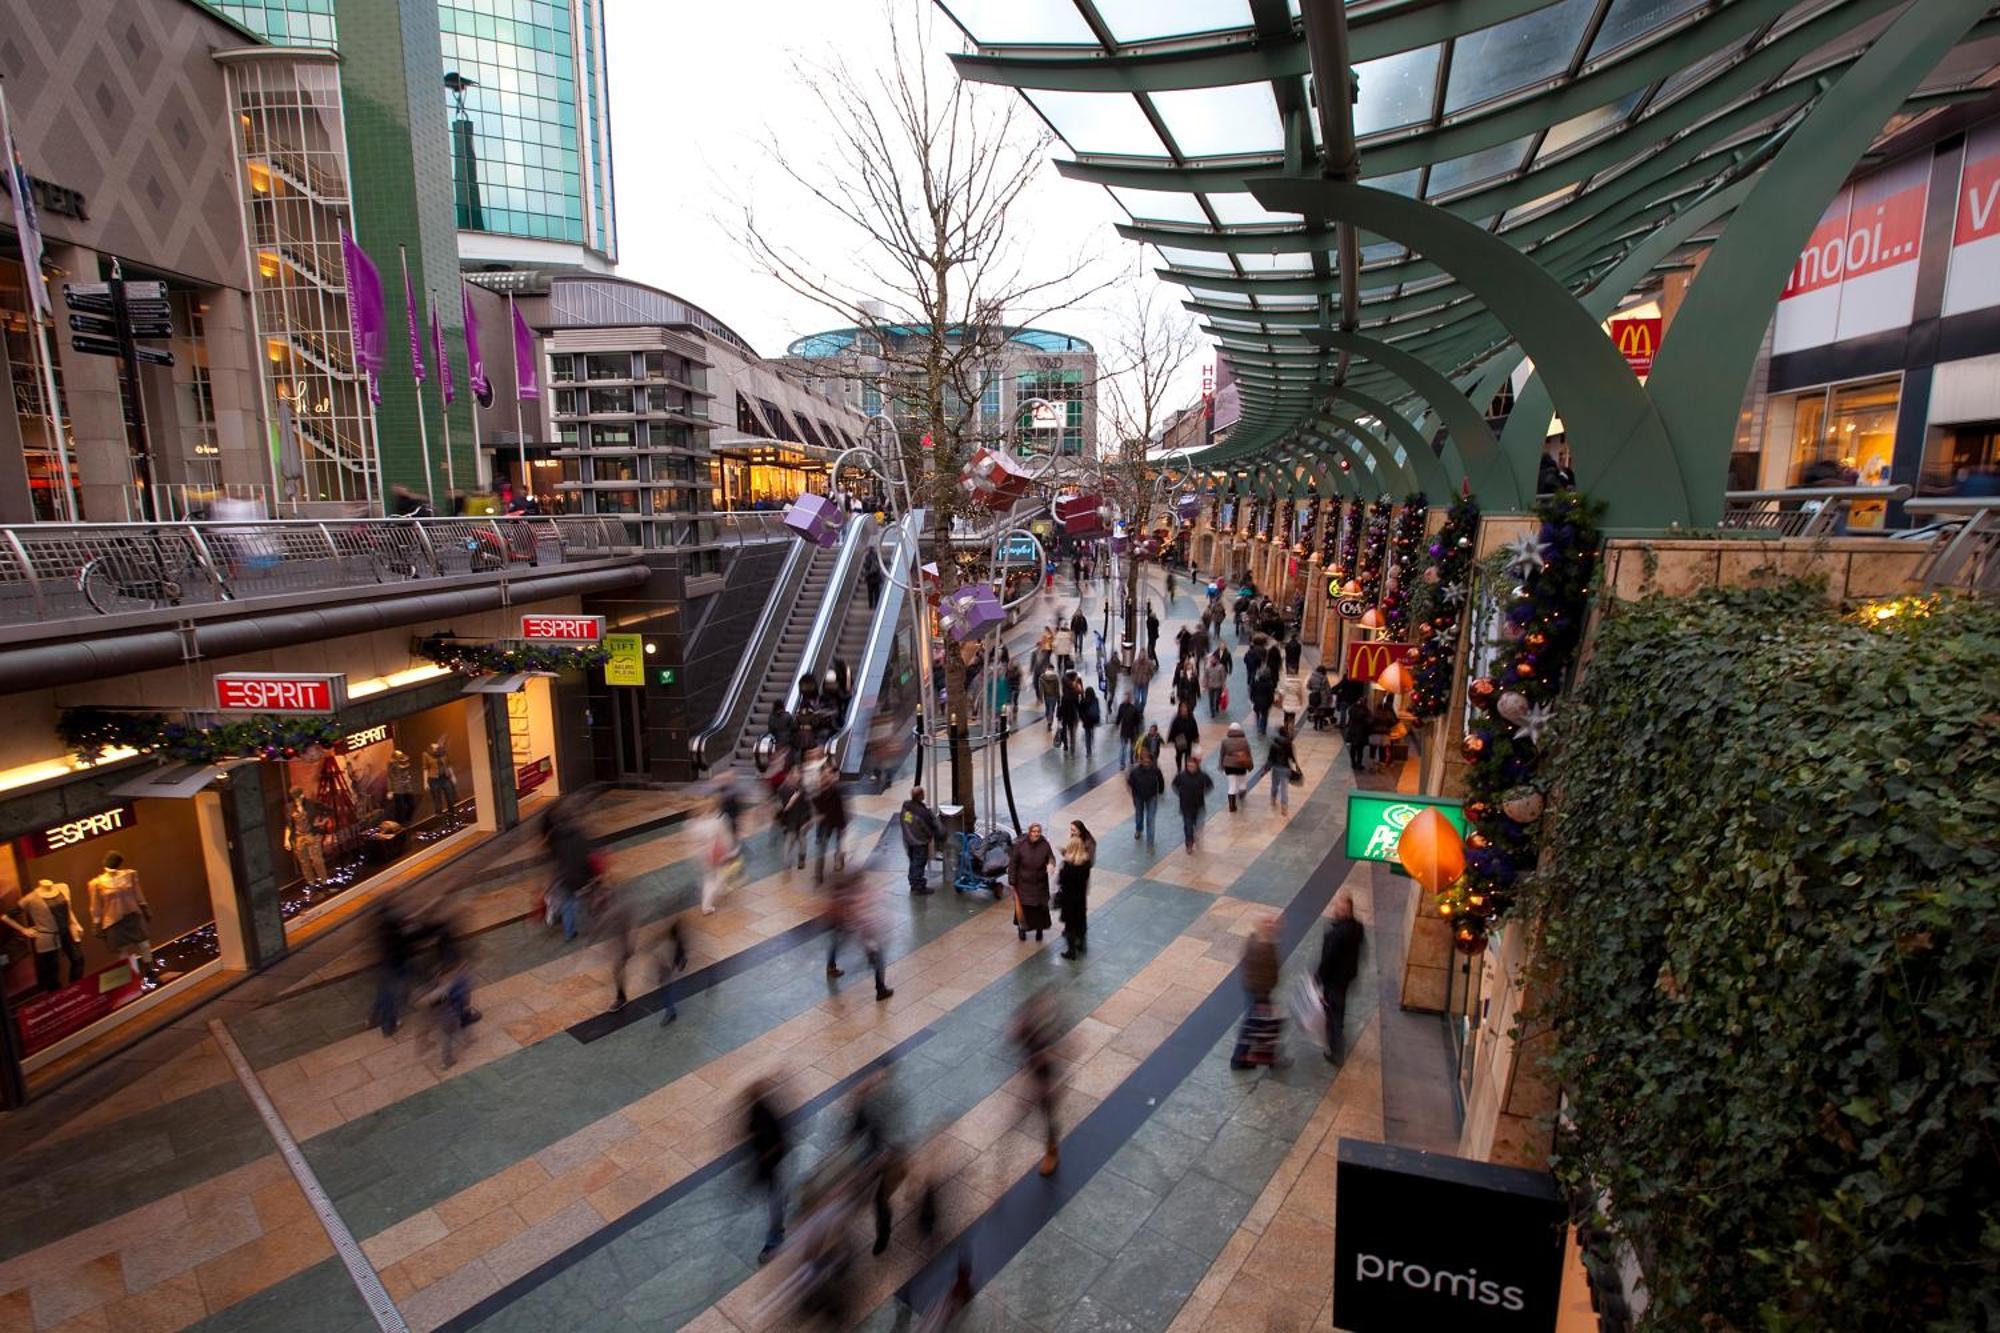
pixel 279 692
pixel 1428 1241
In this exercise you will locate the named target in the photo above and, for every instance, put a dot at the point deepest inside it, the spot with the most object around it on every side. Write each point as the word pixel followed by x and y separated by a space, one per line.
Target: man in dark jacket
pixel 871 570
pixel 1130 720
pixel 1191 788
pixel 1079 629
pixel 830 821
pixel 1263 693
pixel 1146 783
pixel 1152 634
pixel 921 833
pixel 1183 733
pixel 1356 730
pixel 769 1146
pixel 1339 960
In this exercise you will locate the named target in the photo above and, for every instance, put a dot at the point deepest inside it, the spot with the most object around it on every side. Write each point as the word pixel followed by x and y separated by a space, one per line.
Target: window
pixel 1843 435
pixel 871 399
pixel 561 368
pixel 989 400
pixel 614 469
pixel 609 365
pixel 656 365
pixel 746 418
pixel 610 401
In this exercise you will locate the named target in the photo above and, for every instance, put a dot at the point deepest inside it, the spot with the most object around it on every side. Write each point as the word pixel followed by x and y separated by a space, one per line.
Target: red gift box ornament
pixel 1081 515
pixel 815 518
pixel 994 480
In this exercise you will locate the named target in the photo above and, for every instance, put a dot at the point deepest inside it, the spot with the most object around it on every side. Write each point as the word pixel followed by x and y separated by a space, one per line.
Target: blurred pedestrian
pixel 393 939
pixel 795 813
pixel 880 1161
pixel 1282 763
pixel 922 834
pixel 1073 888
pixel 1035 1033
pixel 1028 877
pixel 1079 629
pixel 1146 782
pixel 1152 635
pixel 1191 788
pixel 1130 718
pixel 1236 761
pixel 1339 960
pixel 673 963
pixel 1256 1041
pixel 720 855
pixel 1215 680
pixel 1263 694
pixel 1183 733
pixel 1295 650
pixel 1291 701
pixel 1143 667
pixel 1089 717
pixel 770 1144
pixel 830 821
pixel 852 912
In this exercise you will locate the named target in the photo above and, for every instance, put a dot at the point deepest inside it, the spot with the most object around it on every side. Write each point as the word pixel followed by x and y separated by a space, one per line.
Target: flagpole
pixel 444 390
pixel 48 360
pixel 520 429
pixel 417 375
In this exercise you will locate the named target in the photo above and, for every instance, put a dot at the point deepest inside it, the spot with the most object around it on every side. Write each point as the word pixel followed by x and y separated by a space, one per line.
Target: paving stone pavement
pixel 570 1173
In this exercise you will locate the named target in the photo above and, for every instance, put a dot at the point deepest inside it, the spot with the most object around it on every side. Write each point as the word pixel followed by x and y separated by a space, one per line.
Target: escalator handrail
pixel 868 672
pixel 732 714
pixel 825 636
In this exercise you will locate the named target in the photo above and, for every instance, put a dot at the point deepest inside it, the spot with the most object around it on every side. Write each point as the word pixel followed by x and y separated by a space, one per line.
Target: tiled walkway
pixel 574 1172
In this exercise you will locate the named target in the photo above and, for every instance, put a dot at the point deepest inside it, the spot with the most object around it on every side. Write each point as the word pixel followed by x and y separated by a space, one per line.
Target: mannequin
pixel 440 778
pixel 402 787
pixel 53 927
pixel 303 839
pixel 119 911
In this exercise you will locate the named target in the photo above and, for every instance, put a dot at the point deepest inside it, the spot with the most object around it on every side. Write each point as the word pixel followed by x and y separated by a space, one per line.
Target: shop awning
pixel 176 782
pixel 507 684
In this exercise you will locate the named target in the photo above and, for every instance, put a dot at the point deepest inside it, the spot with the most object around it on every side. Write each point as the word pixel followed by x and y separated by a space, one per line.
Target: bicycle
pixel 145 579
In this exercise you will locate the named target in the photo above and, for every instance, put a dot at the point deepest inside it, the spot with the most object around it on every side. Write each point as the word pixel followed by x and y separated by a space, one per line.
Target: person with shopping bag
pixel 1028 868
pixel 1339 961
pixel 720 856
pixel 1236 761
pixel 1281 761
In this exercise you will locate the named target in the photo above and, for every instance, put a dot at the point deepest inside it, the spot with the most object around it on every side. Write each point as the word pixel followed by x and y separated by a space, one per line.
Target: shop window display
pixel 383 794
pixel 100 911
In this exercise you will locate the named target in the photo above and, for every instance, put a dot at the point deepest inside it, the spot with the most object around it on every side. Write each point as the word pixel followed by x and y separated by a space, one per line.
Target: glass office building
pixel 530 122
pixel 531 132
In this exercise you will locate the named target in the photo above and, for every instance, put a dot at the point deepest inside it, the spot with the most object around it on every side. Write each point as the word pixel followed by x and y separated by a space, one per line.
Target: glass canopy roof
pixel 1571 128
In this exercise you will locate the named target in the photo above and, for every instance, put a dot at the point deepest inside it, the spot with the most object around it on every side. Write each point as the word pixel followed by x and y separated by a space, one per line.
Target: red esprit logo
pixel 274 694
pixel 568 629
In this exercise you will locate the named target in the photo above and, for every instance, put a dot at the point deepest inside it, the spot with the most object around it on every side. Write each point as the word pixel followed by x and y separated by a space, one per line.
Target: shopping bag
pixel 1225 698
pixel 1308 1005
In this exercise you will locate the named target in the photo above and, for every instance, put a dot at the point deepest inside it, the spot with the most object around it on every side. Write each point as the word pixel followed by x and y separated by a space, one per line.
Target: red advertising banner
pixel 1973 281
pixel 1979 193
pixel 563 629
pixel 1638 341
pixel 47 1019
pixel 1858 236
pixel 273 692
pixel 527 777
pixel 1367 660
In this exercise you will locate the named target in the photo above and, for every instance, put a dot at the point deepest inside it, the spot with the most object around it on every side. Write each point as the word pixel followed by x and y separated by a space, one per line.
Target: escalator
pixel 781 669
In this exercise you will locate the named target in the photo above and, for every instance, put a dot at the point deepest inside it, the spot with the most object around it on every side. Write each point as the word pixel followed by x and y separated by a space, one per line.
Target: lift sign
pixel 563 629
pixel 270 692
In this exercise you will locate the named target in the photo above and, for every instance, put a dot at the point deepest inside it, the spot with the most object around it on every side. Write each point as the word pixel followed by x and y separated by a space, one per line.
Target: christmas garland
pixel 1436 607
pixel 1350 538
pixel 497 659
pixel 1513 707
pixel 1375 550
pixel 1329 539
pixel 90 732
pixel 1406 544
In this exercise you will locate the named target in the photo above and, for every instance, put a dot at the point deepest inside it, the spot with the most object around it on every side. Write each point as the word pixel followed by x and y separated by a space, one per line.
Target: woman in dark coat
pixel 1073 888
pixel 1028 876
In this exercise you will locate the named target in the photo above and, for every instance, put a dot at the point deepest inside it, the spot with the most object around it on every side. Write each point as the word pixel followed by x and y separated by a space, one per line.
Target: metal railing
pixel 1806 511
pixel 1965 546
pixel 51 571
pixel 836 602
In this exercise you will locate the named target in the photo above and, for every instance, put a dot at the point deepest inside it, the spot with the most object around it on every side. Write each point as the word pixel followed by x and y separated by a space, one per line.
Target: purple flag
pixel 524 356
pixel 364 312
pixel 445 386
pixel 475 364
pixel 410 316
pixel 26 225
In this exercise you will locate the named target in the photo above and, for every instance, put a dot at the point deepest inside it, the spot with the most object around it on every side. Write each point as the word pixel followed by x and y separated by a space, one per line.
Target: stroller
pixel 1320 711
pixel 982 861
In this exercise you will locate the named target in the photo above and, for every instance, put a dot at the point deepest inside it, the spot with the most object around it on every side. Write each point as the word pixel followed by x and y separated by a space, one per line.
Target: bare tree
pixel 1151 344
pixel 921 175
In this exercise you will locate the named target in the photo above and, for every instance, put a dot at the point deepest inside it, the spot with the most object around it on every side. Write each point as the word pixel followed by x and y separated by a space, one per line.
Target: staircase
pixel 783 671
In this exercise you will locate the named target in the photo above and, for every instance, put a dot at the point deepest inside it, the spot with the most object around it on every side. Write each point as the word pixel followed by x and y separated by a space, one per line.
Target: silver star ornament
pixel 1533 723
pixel 1524 555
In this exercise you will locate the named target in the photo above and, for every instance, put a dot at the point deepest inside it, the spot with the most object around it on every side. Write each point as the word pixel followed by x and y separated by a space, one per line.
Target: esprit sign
pixel 1371 657
pixel 71 832
pixel 362 739
pixel 563 629
pixel 279 692
pixel 1497 1268
pixel 1375 821
pixel 1637 340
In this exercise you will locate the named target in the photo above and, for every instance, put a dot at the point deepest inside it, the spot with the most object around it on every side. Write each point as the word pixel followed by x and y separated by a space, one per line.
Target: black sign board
pixel 1424 1240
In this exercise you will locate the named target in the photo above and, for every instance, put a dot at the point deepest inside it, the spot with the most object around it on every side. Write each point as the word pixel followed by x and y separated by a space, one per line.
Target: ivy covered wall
pixel 1773 925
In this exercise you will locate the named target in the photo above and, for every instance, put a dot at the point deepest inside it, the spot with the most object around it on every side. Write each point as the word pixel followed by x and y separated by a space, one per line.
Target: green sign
pixel 628 659
pixel 667 675
pixel 1375 821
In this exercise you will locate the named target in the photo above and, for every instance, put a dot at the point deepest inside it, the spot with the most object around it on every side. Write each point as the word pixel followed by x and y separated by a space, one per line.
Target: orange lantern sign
pixel 1395 678
pixel 1431 850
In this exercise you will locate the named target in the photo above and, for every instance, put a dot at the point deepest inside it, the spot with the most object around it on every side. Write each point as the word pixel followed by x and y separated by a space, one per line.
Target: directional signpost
pixel 109 319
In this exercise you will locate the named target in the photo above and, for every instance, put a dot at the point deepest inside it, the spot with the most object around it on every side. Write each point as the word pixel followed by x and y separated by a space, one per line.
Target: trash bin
pixel 951 818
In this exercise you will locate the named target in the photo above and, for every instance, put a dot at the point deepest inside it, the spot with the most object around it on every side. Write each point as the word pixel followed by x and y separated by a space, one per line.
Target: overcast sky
pixel 696 87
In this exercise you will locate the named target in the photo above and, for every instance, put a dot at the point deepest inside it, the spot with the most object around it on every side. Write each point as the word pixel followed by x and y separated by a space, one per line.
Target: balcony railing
pixel 1965 550
pixel 1816 511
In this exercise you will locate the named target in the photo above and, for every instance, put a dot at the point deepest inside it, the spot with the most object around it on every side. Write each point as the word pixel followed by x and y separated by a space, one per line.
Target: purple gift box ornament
pixel 970 611
pixel 815 518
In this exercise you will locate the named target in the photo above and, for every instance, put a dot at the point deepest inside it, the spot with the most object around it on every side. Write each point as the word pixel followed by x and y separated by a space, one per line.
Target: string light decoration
pixel 1406 547
pixel 1438 604
pixel 1374 549
pixel 90 732
pixel 1329 539
pixel 1543 626
pixel 499 659
pixel 1352 515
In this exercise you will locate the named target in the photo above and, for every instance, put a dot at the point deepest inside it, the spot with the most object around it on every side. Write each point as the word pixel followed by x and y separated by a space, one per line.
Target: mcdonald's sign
pixel 1365 661
pixel 1637 340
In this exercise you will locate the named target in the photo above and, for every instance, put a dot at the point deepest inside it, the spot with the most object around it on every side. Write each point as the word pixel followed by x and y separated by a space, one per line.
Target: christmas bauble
pixel 1523 805
pixel 1512 705
pixel 1482 691
pixel 1473 745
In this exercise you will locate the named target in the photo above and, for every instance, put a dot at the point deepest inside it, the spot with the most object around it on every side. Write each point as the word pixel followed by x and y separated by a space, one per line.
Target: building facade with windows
pixel 1057 368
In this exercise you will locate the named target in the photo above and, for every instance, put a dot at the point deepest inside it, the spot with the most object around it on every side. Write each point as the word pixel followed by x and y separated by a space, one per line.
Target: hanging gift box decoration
pixel 1081 515
pixel 815 518
pixel 969 612
pixel 994 480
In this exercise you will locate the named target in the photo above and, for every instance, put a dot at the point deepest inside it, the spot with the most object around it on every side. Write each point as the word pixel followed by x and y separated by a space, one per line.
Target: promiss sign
pixel 1423 1240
